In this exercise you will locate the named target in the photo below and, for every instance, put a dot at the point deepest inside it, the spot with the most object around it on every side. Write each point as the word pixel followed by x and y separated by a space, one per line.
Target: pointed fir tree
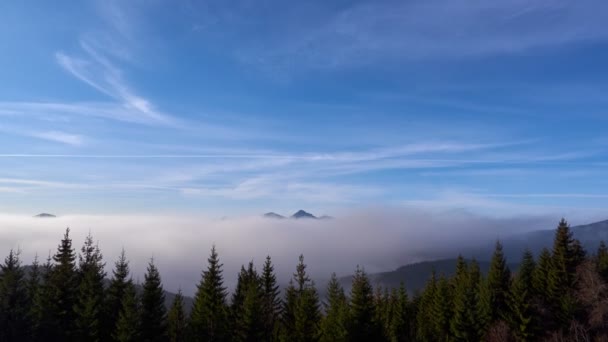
pixel 499 282
pixel 42 311
pixel 442 309
pixel 153 310
pixel 209 316
pixel 301 315
pixel 566 257
pixel 34 289
pixel 542 274
pixel 271 301
pixel 115 293
pixel 543 291
pixel 425 327
pixel 465 321
pixel 176 319
pixel 522 315
pixel 382 310
pixel 363 326
pixel 247 311
pixel 483 308
pixel 128 325
pixel 399 325
pixel 90 296
pixel 14 322
pixel 335 322
pixel 602 260
pixel 63 286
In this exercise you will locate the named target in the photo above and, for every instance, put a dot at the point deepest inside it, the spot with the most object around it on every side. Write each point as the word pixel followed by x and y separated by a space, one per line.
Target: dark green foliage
pixel 335 323
pixel 425 317
pixel 271 301
pixel 247 311
pixel 363 326
pixel 399 320
pixel 522 313
pixel 567 256
pixel 499 282
pixel 468 320
pixel 442 309
pixel 43 307
pixel 115 293
pixel 128 324
pixel 62 290
pixel 90 297
pixel 153 311
pixel 176 319
pixel 602 260
pixel 209 316
pixel 301 314
pixel 13 300
pixel 541 275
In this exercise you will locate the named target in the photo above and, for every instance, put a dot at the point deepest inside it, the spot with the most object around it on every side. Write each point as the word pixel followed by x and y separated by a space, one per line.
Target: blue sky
pixel 242 107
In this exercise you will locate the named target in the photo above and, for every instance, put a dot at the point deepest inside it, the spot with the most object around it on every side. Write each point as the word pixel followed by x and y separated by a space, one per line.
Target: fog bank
pixel 378 239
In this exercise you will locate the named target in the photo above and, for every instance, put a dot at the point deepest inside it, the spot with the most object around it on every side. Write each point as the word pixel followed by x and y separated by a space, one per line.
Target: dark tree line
pixel 560 296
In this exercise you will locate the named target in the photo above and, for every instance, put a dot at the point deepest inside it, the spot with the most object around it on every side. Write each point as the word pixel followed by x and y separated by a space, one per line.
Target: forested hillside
pixel 560 295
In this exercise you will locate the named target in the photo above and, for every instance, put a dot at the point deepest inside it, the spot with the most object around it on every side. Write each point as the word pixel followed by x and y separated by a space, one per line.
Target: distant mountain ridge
pixel 415 275
pixel 45 215
pixel 300 214
pixel 589 235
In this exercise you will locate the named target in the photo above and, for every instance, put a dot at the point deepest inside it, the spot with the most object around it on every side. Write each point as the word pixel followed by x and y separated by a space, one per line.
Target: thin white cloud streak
pixel 62 137
pixel 378 239
pixel 550 195
pixel 52 135
pixel 104 110
pixel 101 74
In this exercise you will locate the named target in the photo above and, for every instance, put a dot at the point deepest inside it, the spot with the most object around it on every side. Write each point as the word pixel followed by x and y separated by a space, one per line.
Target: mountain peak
pixel 303 214
pixel 45 215
pixel 273 215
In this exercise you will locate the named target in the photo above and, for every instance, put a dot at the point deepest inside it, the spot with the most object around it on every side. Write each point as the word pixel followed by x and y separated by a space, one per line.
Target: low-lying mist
pixel 378 239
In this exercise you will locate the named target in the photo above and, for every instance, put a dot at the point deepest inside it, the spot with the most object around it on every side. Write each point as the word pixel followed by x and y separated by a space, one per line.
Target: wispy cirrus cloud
pixel 100 73
pixel 62 137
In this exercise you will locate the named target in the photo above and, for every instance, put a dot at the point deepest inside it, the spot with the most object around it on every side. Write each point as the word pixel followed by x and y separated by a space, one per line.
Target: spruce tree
pixel 116 292
pixel 176 319
pixel 442 309
pixel 542 291
pixel 247 311
pixel 335 323
pixel 425 327
pixel 271 301
pixel 542 274
pixel 498 282
pixel 465 322
pixel 33 288
pixel 153 311
pixel 602 260
pixel 63 286
pixel 89 299
pixel 14 322
pixel 301 315
pixel 566 257
pixel 128 325
pixel 399 325
pixel 363 326
pixel 522 315
pixel 209 316
pixel 43 309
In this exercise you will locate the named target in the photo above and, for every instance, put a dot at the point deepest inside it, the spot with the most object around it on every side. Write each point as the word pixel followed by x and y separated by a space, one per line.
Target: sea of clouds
pixel 377 239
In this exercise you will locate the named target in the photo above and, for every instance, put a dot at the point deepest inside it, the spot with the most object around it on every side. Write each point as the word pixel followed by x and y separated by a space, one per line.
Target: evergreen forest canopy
pixel 559 295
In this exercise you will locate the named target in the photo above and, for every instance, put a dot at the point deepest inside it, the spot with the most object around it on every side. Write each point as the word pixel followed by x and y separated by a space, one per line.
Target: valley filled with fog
pixel 377 239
